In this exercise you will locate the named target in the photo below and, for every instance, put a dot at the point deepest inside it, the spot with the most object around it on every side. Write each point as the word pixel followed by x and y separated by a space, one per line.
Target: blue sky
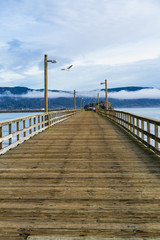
pixel 117 40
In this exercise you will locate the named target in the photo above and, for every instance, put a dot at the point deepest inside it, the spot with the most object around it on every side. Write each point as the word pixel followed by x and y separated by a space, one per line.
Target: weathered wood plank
pixel 82 178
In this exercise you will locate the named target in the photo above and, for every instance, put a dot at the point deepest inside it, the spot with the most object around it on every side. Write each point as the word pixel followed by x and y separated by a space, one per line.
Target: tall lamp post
pixel 106 93
pixel 98 100
pixel 46 80
pixel 75 99
pixel 80 103
pixel 83 103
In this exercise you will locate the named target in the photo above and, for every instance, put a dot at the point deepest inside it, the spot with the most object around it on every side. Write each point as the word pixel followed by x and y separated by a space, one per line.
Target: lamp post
pixel 106 93
pixel 98 100
pixel 75 99
pixel 46 80
pixel 80 103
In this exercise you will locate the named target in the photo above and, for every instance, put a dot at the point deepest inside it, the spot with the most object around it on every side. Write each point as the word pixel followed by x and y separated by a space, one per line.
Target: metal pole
pixel 98 100
pixel 46 82
pixel 80 103
pixel 74 99
pixel 106 95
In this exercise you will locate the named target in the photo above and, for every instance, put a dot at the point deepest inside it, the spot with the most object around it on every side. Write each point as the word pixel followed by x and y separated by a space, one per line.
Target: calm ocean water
pixel 9 116
pixel 145 112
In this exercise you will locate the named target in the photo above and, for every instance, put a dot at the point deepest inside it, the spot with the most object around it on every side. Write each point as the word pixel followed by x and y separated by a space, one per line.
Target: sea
pixel 9 116
pixel 153 113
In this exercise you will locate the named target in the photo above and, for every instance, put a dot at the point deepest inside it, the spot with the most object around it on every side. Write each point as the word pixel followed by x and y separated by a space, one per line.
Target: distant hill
pixel 15 90
pixel 17 98
pixel 128 89
pixel 24 90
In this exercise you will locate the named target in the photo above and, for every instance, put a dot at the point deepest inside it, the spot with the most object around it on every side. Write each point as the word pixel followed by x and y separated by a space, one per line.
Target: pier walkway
pixel 84 178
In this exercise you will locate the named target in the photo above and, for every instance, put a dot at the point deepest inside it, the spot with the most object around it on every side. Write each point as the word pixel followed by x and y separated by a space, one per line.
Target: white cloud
pixel 123 54
pixel 10 76
pixel 33 71
pixel 37 94
pixel 94 37
pixel 141 94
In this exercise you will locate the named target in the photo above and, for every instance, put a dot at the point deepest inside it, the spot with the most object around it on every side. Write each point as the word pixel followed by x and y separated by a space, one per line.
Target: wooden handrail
pixel 145 130
pixel 29 126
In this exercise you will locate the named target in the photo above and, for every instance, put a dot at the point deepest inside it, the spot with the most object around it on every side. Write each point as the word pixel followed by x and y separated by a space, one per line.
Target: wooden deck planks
pixel 82 178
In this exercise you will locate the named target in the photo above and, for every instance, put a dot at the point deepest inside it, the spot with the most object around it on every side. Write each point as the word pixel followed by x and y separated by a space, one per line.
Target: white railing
pixel 16 131
pixel 146 130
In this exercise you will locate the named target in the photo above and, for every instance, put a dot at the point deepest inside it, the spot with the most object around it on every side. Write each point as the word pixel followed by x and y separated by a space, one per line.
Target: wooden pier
pixel 84 178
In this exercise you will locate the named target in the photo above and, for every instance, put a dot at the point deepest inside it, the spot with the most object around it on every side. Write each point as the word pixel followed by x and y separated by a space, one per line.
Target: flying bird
pixel 67 69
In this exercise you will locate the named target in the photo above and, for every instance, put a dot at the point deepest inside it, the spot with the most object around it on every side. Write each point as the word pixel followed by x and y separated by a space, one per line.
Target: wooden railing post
pixel 122 119
pixel 10 132
pixel 131 127
pixel 156 134
pixel 133 122
pixel 128 126
pixel 30 124
pixel 138 127
pixel 46 119
pixel 1 135
pixel 34 124
pixel 38 122
pixel 43 121
pixel 115 117
pixel 24 126
pixel 17 130
pixel 142 127
pixel 148 130
pixel 125 118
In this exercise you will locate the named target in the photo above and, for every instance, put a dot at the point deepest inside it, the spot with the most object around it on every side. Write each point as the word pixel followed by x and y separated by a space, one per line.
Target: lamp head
pixel 52 61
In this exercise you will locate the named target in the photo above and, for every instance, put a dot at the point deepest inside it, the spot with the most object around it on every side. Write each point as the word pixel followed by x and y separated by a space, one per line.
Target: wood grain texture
pixel 85 179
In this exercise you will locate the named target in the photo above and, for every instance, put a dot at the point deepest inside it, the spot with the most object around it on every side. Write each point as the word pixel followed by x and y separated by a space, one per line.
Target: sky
pixel 117 40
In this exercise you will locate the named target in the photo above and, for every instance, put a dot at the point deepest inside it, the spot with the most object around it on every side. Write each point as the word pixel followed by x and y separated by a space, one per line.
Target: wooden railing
pixel 16 131
pixel 146 130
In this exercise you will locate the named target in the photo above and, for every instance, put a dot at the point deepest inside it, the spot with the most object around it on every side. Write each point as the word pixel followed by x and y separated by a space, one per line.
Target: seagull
pixel 67 69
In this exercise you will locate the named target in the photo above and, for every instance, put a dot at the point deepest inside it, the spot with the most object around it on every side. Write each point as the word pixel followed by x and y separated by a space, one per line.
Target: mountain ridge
pixel 16 98
pixel 24 90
